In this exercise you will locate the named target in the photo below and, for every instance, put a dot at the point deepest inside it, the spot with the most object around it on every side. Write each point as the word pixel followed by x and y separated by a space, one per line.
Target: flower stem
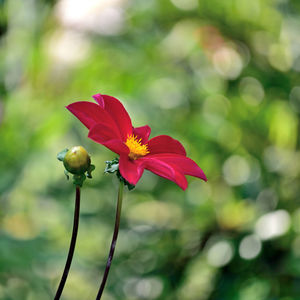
pixel 72 245
pixel 113 242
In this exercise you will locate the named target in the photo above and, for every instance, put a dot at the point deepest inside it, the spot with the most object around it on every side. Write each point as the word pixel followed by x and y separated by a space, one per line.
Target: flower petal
pixel 184 164
pixel 90 114
pixel 165 170
pixel 99 99
pixel 176 175
pixel 165 144
pixel 142 132
pixel 180 179
pixel 117 146
pixel 131 170
pixel 109 137
pixel 117 111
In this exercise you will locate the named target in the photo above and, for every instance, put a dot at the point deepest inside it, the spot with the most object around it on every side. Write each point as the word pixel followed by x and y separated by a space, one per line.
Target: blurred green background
pixel 222 76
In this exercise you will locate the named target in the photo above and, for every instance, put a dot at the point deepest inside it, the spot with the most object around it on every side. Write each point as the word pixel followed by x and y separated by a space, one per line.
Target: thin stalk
pixel 113 242
pixel 72 245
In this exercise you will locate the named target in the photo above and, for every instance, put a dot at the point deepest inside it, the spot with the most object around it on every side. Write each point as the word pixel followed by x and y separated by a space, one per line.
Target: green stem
pixel 72 245
pixel 113 242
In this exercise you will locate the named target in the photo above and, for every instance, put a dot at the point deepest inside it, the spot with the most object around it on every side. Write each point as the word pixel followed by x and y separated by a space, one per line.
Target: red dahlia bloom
pixel 110 125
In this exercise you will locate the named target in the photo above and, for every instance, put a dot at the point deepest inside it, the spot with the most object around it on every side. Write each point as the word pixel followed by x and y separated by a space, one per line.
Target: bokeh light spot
pixel 228 62
pixel 236 170
pixel 251 91
pixel 185 4
pixel 272 225
pixel 220 254
pixel 250 247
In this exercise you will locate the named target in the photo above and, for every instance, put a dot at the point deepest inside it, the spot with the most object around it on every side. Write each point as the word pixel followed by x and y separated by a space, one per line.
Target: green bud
pixel 77 160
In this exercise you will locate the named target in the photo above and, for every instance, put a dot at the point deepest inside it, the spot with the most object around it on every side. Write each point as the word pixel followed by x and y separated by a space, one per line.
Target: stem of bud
pixel 72 245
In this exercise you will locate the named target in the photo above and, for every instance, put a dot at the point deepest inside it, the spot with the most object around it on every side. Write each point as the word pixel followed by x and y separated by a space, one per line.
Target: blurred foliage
pixel 220 76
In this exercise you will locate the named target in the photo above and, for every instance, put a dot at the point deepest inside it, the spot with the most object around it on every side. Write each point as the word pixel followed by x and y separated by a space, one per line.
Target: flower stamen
pixel 137 149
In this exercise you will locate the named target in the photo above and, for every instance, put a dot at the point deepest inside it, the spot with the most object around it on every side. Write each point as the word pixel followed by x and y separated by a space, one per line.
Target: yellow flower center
pixel 137 149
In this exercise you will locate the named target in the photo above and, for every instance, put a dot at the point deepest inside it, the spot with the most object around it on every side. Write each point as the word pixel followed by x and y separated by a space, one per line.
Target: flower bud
pixel 77 160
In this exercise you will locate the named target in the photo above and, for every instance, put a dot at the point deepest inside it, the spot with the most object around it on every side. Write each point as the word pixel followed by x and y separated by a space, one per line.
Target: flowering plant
pixel 110 125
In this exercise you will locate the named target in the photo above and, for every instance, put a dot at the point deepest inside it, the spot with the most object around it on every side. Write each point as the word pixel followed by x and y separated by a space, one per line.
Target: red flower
pixel 110 125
